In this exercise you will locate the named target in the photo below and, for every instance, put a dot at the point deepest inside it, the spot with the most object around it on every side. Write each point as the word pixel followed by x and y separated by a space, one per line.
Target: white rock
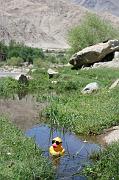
pixel 116 55
pixel 54 82
pixel 89 88
pixel 114 84
pixel 51 71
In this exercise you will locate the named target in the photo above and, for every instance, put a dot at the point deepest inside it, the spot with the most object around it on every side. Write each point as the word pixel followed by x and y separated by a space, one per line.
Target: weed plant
pixel 89 113
pixel 67 106
pixel 8 87
pixel 19 156
pixel 107 164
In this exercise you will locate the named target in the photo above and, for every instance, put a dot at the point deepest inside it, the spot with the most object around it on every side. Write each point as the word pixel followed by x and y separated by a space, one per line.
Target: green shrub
pixel 8 87
pixel 15 61
pixel 3 48
pixel 91 30
pixel 40 63
pixel 15 49
pixel 51 58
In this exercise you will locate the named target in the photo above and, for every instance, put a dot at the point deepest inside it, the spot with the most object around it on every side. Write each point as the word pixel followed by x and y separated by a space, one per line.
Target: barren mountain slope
pixel 110 6
pixel 40 23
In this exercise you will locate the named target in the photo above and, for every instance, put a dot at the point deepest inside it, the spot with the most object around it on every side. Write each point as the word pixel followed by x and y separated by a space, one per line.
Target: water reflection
pixel 77 152
pixel 22 93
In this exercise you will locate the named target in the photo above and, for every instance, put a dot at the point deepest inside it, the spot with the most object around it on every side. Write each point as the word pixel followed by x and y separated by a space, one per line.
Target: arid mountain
pixel 40 23
pixel 110 6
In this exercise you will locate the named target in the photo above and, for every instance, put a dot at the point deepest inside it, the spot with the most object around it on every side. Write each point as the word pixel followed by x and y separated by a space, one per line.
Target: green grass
pixel 84 114
pixel 107 167
pixel 20 159
pixel 68 108
pixel 8 87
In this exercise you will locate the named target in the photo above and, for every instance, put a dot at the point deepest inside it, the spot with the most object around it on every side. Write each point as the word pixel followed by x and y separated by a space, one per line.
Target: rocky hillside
pixel 110 6
pixel 40 23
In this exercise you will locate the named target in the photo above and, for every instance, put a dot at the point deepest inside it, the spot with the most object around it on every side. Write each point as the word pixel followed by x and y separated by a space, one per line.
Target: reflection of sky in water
pixel 77 151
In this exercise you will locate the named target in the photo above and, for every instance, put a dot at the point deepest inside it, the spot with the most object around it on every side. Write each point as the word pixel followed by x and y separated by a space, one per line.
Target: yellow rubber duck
pixel 56 149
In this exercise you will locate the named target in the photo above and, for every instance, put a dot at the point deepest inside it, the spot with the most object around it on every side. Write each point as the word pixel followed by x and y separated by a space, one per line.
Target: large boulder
pixel 97 53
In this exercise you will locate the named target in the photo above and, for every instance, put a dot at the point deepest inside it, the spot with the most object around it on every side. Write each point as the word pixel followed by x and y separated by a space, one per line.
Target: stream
pixel 77 151
pixel 24 112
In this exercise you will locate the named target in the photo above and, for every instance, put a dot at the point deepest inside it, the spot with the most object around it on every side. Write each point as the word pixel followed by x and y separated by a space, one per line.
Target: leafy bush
pixel 15 61
pixel 8 87
pixel 51 58
pixel 3 48
pixel 40 63
pixel 20 50
pixel 92 30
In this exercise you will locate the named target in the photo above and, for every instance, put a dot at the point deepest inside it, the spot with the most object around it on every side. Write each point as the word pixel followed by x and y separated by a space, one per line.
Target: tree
pixel 91 30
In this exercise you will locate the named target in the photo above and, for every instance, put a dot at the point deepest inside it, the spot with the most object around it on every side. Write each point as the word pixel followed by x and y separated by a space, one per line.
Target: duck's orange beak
pixel 54 145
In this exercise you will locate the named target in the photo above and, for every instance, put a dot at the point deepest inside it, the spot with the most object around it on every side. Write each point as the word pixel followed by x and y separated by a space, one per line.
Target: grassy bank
pixel 19 157
pixel 68 108
pixel 84 114
pixel 107 167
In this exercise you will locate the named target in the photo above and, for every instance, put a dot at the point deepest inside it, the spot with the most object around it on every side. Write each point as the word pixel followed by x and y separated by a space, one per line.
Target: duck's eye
pixel 57 142
pixel 53 141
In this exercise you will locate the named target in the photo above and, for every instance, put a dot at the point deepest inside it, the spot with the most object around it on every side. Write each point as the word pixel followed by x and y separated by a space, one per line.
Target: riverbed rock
pixel 100 52
pixel 91 87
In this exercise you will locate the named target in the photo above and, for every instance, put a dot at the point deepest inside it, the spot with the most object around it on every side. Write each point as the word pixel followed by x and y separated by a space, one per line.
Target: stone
pixel 112 136
pixel 116 55
pixel 51 73
pixel 89 88
pixel 116 83
pixel 23 79
pixel 100 52
pixel 111 64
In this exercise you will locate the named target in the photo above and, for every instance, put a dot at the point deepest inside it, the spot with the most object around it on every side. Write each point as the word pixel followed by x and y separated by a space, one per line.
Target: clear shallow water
pixel 77 151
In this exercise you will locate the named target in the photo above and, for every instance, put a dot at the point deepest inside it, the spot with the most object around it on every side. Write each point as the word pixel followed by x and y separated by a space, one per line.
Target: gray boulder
pixel 89 88
pixel 97 53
